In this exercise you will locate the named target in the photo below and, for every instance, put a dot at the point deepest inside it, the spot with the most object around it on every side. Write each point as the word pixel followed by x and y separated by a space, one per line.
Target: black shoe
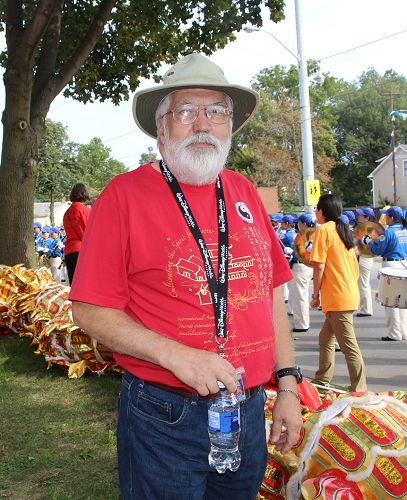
pixel 362 315
pixel 337 348
pixel 300 330
pixel 290 314
pixel 389 339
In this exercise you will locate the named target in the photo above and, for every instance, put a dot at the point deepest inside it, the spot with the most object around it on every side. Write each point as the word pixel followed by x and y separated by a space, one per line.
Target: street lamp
pixel 306 133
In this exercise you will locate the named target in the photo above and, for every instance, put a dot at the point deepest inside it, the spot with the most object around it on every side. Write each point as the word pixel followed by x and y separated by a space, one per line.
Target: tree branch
pixel 86 46
pixel 36 27
pixel 14 24
pixel 49 50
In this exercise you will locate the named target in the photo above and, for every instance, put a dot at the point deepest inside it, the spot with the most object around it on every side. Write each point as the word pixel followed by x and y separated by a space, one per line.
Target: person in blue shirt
pixel 55 253
pixel 37 234
pixel 351 218
pixel 392 246
pixel 43 241
pixel 287 242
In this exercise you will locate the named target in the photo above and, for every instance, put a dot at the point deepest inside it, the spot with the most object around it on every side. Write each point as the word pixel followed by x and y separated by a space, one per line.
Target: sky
pixel 328 27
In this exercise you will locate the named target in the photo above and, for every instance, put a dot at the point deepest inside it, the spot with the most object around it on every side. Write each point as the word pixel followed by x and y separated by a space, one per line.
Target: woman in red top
pixel 75 220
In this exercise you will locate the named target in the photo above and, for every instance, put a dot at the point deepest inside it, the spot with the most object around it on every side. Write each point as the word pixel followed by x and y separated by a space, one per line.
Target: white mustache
pixel 202 137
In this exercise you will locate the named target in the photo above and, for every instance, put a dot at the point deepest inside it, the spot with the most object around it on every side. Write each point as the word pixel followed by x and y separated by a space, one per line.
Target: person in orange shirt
pixel 336 281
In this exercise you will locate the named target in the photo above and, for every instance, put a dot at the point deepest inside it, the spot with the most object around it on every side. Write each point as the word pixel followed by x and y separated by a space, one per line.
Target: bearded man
pixel 185 294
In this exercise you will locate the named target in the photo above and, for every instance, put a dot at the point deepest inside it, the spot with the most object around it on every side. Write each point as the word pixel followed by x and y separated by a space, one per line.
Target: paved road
pixel 386 362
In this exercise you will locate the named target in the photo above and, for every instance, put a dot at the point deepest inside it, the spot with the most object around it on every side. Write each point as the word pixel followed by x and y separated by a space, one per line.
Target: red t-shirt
pixel 75 220
pixel 151 268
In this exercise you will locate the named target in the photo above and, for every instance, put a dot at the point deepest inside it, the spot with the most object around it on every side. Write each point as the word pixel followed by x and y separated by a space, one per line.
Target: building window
pixel 405 168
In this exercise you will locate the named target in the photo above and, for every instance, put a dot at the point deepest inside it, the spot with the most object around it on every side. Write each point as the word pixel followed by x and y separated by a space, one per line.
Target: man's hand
pixel 315 303
pixel 287 422
pixel 200 369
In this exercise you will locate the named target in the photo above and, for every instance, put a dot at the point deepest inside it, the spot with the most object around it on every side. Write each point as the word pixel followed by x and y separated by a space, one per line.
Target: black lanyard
pixel 218 289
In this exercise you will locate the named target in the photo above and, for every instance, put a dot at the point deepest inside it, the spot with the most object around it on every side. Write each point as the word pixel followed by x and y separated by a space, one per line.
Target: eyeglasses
pixel 188 113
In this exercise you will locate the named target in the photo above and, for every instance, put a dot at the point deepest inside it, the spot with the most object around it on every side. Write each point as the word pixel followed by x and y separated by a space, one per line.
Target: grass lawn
pixel 57 436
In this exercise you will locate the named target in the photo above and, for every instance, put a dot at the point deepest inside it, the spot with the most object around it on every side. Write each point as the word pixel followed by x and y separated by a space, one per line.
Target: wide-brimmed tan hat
pixel 193 71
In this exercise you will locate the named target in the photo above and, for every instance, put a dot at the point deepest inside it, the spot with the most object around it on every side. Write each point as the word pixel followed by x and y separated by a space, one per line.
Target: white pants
pixel 299 294
pixel 365 291
pixel 55 262
pixel 396 319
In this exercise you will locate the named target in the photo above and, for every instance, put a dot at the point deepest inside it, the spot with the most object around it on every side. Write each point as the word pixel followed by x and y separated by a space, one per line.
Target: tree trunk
pixel 52 208
pixel 17 172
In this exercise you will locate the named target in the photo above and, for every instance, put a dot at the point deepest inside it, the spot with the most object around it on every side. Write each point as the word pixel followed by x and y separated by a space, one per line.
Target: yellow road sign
pixel 312 191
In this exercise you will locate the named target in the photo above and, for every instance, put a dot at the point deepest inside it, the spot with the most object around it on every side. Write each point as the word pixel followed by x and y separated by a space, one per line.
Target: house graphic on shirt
pixel 193 269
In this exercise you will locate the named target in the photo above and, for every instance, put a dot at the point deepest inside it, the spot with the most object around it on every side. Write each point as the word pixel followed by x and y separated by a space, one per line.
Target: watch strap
pixel 284 372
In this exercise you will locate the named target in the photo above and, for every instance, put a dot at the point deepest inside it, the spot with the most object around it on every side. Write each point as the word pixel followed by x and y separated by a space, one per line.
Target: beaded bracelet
pixel 288 390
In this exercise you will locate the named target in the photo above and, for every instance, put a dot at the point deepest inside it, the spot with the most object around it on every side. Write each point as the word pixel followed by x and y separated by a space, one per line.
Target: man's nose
pixel 201 124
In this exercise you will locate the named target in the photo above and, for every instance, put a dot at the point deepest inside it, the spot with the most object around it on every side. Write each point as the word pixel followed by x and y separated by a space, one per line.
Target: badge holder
pixel 241 380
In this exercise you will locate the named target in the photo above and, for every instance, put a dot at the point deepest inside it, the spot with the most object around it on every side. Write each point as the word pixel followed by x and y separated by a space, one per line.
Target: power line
pixel 120 136
pixel 363 45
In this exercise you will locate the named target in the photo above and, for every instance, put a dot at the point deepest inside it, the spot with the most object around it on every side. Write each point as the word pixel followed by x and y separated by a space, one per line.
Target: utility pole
pixel 306 133
pixel 393 140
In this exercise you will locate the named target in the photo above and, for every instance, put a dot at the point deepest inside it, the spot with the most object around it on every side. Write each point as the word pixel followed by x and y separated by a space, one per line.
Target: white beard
pixel 196 166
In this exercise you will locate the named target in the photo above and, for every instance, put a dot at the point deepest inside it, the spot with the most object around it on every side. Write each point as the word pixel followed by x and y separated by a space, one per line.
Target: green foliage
pixel 63 163
pixel 95 167
pixel 363 132
pixel 55 163
pixel 140 36
pixel 147 157
pixel 272 139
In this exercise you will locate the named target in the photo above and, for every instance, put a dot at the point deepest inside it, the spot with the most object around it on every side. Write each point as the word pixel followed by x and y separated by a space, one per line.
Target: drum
pixel 392 290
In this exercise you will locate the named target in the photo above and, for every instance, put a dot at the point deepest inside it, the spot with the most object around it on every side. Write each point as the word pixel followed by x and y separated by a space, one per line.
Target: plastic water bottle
pixel 224 431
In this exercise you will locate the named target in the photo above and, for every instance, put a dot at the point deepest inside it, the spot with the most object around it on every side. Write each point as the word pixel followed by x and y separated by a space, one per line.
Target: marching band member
pixel 287 242
pixel 299 286
pixel 351 218
pixel 54 254
pixel 392 246
pixel 37 234
pixel 365 214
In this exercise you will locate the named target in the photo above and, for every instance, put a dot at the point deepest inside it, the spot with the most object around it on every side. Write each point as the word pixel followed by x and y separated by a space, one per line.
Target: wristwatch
pixel 284 372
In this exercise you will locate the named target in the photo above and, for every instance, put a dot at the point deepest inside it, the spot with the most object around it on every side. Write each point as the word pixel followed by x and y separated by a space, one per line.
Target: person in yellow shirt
pixel 335 279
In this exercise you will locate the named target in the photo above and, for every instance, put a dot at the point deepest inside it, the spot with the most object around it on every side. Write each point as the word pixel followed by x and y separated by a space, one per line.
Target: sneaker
pixel 389 339
pixel 300 329
pixel 362 315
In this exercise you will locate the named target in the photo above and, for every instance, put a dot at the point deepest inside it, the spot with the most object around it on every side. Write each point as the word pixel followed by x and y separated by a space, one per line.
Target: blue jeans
pixel 163 446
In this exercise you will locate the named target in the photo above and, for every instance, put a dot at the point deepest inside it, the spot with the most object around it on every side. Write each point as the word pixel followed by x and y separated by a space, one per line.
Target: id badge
pixel 241 383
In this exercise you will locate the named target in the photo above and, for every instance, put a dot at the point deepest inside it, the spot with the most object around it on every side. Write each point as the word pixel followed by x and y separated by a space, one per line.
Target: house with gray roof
pixel 382 178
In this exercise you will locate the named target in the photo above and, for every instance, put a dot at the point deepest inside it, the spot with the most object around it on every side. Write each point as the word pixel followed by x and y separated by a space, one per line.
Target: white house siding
pixel 383 179
pixel 42 212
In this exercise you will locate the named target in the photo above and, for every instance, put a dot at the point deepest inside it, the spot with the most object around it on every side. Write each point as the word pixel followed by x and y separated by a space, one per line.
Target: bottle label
pixel 228 421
